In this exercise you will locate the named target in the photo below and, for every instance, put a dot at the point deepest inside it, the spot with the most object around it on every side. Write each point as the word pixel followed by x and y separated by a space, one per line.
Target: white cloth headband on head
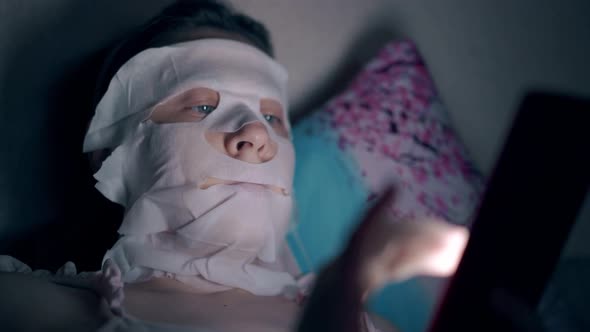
pixel 157 74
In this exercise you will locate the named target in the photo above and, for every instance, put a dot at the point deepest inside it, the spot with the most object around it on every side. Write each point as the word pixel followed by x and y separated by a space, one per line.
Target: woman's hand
pixel 383 250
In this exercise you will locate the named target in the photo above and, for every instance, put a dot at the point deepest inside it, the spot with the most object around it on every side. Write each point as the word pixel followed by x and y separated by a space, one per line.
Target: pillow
pixel 387 127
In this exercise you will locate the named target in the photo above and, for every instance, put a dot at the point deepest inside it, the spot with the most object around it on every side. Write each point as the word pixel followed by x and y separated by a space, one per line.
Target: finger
pixel 443 259
pixel 366 243
pixel 373 217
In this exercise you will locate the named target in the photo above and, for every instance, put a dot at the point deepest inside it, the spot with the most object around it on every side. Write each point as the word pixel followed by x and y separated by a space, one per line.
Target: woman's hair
pixel 177 23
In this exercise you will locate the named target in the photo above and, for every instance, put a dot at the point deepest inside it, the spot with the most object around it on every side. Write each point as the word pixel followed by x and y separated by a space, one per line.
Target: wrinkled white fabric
pixel 226 236
pixel 106 283
pixel 157 74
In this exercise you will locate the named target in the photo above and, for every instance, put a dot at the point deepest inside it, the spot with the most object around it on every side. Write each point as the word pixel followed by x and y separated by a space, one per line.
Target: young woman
pixel 191 135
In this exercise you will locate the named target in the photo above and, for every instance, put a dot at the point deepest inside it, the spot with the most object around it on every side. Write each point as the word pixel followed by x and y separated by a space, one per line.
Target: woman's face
pixel 251 143
pixel 202 161
pixel 231 95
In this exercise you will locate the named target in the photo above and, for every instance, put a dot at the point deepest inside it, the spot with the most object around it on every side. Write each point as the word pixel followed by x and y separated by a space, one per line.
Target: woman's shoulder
pixel 31 303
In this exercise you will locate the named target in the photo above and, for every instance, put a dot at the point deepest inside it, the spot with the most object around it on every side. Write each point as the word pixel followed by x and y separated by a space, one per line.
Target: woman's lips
pixel 247 186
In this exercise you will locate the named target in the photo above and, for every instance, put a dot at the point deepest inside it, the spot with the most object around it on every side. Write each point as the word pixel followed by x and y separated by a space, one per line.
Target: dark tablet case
pixel 530 205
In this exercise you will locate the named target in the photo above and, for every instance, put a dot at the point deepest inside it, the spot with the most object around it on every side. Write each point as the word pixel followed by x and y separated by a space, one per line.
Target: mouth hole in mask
pixel 247 186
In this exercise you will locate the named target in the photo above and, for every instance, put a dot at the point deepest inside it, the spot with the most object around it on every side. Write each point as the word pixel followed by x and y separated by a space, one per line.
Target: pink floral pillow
pixel 392 125
pixel 387 127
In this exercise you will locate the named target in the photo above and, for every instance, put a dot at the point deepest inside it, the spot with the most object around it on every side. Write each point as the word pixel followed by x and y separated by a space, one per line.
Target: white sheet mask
pixel 217 238
pixel 157 74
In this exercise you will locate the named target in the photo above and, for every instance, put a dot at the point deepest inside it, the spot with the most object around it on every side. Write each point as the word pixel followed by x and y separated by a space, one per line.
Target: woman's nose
pixel 251 144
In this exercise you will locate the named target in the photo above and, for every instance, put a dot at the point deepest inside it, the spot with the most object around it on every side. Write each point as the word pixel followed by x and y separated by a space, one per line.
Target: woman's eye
pixel 203 109
pixel 272 119
pixel 277 124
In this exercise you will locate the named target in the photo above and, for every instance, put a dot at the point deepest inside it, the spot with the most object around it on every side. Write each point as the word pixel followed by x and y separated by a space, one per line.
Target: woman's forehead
pixel 221 65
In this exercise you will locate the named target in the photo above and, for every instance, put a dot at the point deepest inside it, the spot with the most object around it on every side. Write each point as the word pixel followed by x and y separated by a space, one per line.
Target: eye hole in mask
pixel 195 104
pixel 203 110
pixel 273 113
pixel 190 106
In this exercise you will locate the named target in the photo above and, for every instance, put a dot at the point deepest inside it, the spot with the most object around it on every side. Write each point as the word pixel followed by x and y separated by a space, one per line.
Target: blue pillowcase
pixel 330 201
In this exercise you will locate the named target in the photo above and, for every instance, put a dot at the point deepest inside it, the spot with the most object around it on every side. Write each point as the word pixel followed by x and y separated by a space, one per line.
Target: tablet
pixel 531 202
